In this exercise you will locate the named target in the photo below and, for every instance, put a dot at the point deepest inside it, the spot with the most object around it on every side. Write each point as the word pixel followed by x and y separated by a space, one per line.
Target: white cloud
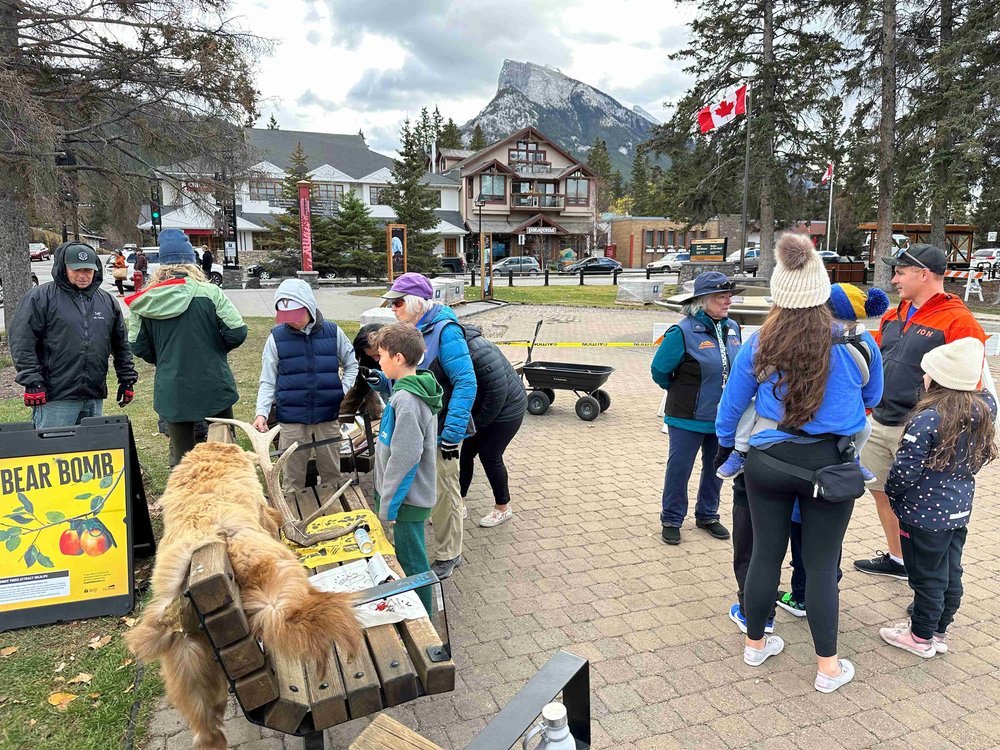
pixel 345 65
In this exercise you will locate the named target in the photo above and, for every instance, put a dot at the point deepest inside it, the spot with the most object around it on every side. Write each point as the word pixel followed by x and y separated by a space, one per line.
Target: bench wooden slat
pixel 287 713
pixel 228 624
pixel 327 694
pixel 241 658
pixel 361 683
pixel 388 734
pixel 211 581
pixel 395 670
pixel 257 689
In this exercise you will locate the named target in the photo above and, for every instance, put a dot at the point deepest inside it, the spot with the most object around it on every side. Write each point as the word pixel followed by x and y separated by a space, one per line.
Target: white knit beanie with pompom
pixel 799 279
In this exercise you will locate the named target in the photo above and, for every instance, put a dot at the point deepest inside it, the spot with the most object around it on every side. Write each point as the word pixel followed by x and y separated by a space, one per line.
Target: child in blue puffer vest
pixel 948 439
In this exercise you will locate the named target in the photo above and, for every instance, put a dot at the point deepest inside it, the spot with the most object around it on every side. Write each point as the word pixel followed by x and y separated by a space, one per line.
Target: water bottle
pixel 554 728
pixel 364 541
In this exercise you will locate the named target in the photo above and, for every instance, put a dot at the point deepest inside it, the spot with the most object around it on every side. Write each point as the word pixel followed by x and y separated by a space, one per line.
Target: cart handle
pixel 538 327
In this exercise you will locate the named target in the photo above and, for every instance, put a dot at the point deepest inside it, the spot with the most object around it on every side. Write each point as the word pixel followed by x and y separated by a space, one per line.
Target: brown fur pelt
pixel 214 494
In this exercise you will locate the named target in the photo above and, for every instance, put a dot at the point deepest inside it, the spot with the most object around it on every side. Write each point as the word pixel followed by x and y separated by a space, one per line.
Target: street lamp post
pixel 480 202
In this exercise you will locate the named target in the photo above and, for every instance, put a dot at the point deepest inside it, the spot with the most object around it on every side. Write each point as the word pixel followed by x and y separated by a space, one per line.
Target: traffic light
pixel 155 218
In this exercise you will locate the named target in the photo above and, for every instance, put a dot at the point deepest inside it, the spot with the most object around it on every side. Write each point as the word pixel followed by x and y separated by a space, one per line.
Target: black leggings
pixel 771 495
pixel 489 444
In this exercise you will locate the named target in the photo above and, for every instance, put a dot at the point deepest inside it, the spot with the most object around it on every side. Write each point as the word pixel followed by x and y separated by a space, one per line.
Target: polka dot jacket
pixel 925 498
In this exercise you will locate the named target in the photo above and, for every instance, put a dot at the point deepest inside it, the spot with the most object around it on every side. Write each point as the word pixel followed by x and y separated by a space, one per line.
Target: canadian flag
pixel 733 103
pixel 827 175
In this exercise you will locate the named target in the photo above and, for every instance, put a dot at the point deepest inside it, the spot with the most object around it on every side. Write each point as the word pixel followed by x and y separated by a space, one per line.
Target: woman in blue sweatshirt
pixel 809 392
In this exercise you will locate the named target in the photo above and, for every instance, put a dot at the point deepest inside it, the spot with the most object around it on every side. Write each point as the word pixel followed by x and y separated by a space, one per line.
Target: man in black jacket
pixel 61 337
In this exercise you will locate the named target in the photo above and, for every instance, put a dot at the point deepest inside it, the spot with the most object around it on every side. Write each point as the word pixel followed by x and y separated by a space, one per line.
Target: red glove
pixel 36 398
pixel 125 393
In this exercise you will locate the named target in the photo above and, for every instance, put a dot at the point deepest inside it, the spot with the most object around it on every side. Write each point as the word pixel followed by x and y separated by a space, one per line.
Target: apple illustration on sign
pixel 95 542
pixel 69 543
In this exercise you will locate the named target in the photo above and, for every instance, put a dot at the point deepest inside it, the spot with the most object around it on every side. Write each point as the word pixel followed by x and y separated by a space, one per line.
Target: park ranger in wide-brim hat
pixel 709 282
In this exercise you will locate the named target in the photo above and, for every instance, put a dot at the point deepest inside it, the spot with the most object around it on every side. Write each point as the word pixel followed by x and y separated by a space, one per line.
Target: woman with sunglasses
pixel 448 358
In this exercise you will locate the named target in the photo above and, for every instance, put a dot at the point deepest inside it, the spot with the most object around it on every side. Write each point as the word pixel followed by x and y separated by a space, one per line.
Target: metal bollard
pixel 546 276
pixel 614 276
pixel 581 277
pixel 510 277
pixel 648 272
pixel 473 282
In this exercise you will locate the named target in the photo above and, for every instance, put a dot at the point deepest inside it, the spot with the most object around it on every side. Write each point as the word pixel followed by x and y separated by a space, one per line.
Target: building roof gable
pixel 347 153
pixel 527 132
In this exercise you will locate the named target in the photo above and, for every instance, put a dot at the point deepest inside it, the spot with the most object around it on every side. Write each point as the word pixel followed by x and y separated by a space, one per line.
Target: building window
pixel 704 234
pixel 376 196
pixel 328 191
pixel 661 238
pixel 450 247
pixel 577 191
pixel 493 187
pixel 649 238
pixel 265 190
pixel 671 237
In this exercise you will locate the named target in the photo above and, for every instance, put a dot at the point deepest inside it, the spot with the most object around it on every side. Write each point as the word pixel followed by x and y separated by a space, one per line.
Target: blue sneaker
pixel 736 615
pixel 868 476
pixel 733 466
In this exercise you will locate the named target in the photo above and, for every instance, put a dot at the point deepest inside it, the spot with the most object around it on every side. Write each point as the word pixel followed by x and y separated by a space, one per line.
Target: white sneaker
pixel 495 518
pixel 773 645
pixel 826 684
pixel 465 511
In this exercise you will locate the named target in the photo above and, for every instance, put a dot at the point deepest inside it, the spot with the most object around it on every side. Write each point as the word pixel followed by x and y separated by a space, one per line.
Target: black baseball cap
pixel 919 256
pixel 79 256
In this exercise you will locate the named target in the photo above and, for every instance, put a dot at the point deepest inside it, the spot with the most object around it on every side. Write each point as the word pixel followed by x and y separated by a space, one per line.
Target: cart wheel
pixel 538 402
pixel 603 398
pixel 550 393
pixel 587 408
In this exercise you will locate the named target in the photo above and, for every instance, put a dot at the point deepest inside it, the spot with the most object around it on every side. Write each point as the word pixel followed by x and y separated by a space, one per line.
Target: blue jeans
pixel 65 413
pixel 684 445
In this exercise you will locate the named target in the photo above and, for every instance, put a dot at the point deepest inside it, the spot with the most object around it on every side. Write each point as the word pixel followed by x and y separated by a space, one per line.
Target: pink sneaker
pixel 902 637
pixel 940 642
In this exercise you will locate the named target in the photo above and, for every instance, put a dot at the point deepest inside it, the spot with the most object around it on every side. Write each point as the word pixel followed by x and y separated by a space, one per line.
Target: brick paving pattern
pixel 581 567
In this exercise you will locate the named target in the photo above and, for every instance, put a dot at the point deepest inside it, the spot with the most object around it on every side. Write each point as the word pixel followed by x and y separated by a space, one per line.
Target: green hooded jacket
pixel 185 328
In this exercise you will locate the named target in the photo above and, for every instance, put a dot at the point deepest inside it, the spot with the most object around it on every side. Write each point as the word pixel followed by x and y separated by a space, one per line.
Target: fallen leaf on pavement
pixel 62 700
pixel 5 652
pixel 98 642
pixel 81 679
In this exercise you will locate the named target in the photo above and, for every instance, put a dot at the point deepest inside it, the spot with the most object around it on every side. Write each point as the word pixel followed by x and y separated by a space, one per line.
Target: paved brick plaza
pixel 581 567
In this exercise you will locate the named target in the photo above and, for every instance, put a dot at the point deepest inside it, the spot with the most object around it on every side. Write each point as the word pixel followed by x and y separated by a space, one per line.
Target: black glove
pixel 372 377
pixel 449 451
pixel 35 397
pixel 125 393
pixel 720 457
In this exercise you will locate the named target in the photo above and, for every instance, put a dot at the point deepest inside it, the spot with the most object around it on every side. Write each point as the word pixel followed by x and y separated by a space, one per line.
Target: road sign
pixel 991 236
pixel 230 247
pixel 708 250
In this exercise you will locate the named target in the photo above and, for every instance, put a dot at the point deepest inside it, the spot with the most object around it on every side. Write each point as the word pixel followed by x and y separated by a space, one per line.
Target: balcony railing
pixel 529 200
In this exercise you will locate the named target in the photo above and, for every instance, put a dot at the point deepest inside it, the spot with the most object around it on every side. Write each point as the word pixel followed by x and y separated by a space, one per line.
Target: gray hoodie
pixel 301 292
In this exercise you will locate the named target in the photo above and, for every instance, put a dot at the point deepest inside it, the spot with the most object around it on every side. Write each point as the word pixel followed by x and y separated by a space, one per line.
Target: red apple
pixel 69 543
pixel 94 542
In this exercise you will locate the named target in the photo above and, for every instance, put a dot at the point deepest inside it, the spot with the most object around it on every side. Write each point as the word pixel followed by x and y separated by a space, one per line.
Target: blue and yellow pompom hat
pixel 847 302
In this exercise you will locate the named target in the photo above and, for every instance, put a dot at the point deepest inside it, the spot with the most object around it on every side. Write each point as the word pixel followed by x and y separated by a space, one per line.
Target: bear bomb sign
pixel 63 531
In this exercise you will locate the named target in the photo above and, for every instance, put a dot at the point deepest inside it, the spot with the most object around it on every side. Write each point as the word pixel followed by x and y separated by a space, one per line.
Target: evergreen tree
pixel 423 132
pixel 361 133
pixel 356 240
pixel 478 139
pixel 451 136
pixel 642 193
pixel 414 203
pixel 284 250
pixel 617 185
pixel 600 163
pixel 272 124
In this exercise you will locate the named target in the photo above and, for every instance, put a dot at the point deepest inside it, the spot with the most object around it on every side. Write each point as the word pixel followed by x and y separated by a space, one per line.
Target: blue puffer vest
pixel 309 390
pixel 697 386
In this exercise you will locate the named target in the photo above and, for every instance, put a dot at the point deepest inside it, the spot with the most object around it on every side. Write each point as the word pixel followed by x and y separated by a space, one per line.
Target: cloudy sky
pixel 343 65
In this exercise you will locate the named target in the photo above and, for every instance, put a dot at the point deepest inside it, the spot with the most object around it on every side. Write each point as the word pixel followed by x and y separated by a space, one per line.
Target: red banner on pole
pixel 305 225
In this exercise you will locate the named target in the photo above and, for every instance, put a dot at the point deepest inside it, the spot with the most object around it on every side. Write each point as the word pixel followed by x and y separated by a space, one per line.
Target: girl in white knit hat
pixel 949 437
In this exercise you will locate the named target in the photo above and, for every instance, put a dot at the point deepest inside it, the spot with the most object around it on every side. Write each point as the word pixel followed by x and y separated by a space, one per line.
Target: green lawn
pixel 45 659
pixel 573 296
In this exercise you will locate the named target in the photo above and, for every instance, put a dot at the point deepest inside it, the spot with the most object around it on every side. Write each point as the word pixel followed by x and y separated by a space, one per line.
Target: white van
pixel 153 258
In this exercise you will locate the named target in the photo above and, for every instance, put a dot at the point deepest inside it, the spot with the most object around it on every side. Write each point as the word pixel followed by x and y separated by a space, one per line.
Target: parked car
pixel 525 266
pixel 988 255
pixel 38 251
pixel 453 264
pixel 670 263
pixel 829 256
pixel 34 282
pixel 153 259
pixel 262 272
pixel 595 265
pixel 751 257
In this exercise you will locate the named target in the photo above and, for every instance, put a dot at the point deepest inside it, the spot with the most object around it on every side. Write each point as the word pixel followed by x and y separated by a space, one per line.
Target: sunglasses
pixel 905 255
pixel 398 302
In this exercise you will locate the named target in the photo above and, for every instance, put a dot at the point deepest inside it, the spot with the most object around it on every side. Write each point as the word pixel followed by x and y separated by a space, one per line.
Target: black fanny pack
pixel 836 483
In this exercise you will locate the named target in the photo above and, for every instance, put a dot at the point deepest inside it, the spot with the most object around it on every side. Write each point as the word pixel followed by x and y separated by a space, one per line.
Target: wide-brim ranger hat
pixel 709 282
pixel 414 284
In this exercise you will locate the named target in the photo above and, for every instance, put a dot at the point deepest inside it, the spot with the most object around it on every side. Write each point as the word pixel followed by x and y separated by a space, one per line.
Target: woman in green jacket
pixel 185 326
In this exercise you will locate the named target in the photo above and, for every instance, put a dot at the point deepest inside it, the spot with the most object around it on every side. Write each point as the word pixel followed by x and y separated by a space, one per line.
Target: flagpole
pixel 746 184
pixel 829 212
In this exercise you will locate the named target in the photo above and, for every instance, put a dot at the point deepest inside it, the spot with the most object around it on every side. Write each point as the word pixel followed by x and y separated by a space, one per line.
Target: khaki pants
pixel 327 456
pixel 880 450
pixel 447 513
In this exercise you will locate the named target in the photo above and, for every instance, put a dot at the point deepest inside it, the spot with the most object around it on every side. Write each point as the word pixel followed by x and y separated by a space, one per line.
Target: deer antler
pixel 293 528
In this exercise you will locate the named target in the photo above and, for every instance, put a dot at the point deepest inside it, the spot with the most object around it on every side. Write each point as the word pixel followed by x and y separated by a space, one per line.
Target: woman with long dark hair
pixel 810 399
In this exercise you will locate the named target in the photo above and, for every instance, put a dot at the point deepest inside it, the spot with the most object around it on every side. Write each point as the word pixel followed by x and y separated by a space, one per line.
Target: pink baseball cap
pixel 288 311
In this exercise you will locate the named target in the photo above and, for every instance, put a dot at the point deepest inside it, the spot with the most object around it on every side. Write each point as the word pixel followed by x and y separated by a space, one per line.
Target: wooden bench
pixel 399 663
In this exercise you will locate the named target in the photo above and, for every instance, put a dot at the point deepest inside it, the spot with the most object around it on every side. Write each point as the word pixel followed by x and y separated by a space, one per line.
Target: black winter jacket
pixel 500 395
pixel 61 337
